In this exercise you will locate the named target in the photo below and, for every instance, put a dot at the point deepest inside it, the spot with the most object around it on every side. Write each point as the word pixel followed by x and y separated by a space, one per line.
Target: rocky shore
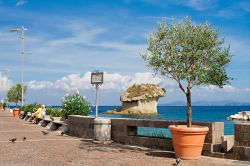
pixel 243 115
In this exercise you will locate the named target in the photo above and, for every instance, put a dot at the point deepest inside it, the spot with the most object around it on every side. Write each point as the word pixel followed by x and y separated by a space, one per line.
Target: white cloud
pixel 199 4
pixel 239 47
pixel 116 83
pixel 245 6
pixel 5 83
pixel 20 2
pixel 37 85
pixel 112 82
pixel 196 4
pixel 227 13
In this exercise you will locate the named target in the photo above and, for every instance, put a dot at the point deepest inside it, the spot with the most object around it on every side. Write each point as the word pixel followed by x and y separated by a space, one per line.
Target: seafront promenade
pixel 54 149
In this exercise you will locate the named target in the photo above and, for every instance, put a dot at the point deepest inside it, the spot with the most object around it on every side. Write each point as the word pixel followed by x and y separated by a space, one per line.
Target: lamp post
pixel 22 29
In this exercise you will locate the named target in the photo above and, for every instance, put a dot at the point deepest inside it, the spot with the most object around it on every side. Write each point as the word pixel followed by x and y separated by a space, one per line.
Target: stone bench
pixel 28 116
pixel 58 124
pixel 53 123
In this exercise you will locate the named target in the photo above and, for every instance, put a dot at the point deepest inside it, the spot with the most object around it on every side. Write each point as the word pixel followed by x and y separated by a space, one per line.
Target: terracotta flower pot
pixel 188 141
pixel 16 112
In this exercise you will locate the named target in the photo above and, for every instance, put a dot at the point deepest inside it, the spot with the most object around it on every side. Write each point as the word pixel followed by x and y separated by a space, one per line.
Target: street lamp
pixel 22 29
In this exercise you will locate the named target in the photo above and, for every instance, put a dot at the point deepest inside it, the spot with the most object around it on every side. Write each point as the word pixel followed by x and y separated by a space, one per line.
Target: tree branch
pixel 179 82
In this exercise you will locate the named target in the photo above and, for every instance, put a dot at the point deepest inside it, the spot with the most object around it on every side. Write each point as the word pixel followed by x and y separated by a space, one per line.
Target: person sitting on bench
pixel 39 113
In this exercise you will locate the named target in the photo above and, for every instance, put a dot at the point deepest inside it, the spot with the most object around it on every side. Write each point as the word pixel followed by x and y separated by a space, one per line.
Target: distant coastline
pixel 207 103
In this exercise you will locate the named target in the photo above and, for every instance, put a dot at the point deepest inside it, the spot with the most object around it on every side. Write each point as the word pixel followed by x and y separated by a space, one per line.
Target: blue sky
pixel 70 38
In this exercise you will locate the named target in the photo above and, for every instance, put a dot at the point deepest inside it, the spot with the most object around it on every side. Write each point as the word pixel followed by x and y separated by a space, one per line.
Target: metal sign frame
pixel 97 77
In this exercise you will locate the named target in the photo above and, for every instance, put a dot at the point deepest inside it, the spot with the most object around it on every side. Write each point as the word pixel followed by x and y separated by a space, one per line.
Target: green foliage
pixel 5 105
pixel 75 104
pixel 29 107
pixel 191 54
pixel 56 112
pixel 49 110
pixel 15 93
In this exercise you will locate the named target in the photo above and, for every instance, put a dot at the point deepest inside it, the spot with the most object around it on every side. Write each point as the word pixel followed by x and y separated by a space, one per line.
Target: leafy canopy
pixel 189 53
pixel 15 93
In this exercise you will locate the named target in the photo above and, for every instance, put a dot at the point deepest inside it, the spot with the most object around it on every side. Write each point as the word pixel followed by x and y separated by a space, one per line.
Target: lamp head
pixel 15 30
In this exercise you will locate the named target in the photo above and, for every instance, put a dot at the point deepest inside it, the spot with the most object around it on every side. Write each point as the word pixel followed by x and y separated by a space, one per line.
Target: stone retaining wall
pixel 241 149
pixel 81 126
pixel 125 131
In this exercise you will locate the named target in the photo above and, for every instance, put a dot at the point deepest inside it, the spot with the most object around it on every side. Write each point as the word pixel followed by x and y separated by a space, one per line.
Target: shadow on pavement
pixel 89 145
pixel 161 154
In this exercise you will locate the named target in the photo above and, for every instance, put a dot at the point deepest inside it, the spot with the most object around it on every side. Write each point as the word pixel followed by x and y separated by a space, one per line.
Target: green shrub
pixel 49 110
pixel 29 107
pixel 75 104
pixel 56 112
pixel 5 105
pixel 53 111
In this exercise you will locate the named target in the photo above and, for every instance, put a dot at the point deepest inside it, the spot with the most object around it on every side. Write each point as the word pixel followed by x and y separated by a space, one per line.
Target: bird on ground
pixel 62 133
pixel 13 140
pixel 45 132
pixel 178 161
pixel 24 138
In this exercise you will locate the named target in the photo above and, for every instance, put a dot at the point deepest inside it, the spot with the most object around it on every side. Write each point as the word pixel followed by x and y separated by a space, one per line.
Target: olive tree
pixel 15 93
pixel 191 54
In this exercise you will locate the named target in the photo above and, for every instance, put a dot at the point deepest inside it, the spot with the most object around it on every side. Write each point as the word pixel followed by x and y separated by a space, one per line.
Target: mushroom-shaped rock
pixel 140 99
pixel 142 92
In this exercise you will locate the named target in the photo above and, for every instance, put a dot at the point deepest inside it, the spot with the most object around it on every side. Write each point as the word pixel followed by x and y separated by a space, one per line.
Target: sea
pixel 199 113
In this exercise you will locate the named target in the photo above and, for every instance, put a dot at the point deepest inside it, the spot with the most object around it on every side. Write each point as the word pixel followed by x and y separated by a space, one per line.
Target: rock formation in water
pixel 140 100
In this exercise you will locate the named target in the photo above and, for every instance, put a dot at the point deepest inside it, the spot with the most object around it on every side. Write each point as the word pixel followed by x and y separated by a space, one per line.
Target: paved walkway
pixel 54 149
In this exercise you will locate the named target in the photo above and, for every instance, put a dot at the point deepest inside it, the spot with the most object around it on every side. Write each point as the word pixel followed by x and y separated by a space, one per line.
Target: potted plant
pixel 15 95
pixel 192 55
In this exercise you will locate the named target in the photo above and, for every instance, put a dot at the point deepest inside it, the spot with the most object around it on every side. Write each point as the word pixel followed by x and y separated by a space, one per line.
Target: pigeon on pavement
pixel 45 132
pixel 178 161
pixel 13 140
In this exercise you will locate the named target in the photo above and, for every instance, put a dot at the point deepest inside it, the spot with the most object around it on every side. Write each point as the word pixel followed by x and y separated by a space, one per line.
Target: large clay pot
pixel 16 112
pixel 188 141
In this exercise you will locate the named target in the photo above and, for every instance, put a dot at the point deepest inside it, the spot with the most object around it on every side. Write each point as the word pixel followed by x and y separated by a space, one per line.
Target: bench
pixel 28 116
pixel 57 123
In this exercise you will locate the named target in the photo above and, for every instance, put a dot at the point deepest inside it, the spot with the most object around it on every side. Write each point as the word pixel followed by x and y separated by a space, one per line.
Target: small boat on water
pixel 243 115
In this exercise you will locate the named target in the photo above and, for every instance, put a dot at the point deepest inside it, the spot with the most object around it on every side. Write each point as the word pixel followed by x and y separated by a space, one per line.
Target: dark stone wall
pixel 81 126
pixel 125 131
pixel 241 147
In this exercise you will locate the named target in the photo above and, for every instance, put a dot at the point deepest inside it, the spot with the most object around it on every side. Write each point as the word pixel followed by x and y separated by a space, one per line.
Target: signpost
pixel 96 80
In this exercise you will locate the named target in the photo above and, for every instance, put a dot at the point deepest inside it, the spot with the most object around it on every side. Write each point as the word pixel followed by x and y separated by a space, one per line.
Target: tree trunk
pixel 189 108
